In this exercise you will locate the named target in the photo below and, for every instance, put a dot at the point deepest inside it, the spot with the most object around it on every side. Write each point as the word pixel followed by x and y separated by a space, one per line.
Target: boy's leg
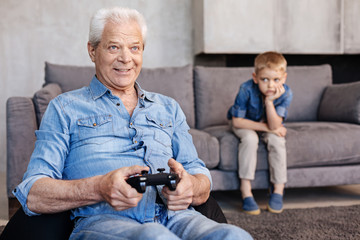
pixel 277 158
pixel 247 155
pixel 247 159
pixel 278 170
pixel 245 188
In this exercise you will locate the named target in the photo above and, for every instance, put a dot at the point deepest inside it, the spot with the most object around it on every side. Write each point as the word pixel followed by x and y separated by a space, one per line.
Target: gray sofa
pixel 323 138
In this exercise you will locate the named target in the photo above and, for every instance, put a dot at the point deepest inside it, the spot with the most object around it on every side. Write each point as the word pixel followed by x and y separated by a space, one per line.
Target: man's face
pixel 268 79
pixel 119 55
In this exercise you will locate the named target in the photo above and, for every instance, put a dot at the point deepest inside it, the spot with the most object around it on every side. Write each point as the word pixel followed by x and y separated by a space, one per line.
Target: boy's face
pixel 268 80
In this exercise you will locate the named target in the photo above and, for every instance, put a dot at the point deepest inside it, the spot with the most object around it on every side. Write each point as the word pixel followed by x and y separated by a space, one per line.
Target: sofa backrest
pixel 175 82
pixel 216 89
pixel 308 84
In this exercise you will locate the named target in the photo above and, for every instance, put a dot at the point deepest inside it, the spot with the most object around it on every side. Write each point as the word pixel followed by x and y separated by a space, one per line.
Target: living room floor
pixel 296 197
pixel 231 200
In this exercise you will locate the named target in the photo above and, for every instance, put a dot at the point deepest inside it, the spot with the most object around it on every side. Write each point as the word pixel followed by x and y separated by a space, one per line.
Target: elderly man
pixel 93 139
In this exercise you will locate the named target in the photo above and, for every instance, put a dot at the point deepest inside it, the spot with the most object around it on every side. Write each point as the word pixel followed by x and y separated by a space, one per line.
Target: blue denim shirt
pixel 249 103
pixel 88 132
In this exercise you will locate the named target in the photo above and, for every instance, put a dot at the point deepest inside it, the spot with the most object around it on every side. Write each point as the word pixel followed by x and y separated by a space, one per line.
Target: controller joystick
pixel 141 181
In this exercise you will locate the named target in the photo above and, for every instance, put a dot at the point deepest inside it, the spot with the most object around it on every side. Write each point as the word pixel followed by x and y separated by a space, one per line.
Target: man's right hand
pixel 116 191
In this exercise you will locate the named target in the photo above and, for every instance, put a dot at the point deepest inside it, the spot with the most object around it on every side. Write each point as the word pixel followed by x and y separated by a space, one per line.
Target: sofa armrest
pixel 42 98
pixel 20 129
pixel 341 103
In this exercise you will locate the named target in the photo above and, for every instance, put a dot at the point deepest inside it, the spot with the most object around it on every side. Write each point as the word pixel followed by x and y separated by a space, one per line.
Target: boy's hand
pixel 281 131
pixel 279 90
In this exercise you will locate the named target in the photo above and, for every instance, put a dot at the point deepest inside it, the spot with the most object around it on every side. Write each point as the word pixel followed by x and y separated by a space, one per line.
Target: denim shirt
pixel 249 103
pixel 88 132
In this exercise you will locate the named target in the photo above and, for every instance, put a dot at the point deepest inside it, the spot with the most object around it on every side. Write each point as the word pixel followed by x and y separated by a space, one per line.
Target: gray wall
pixel 35 31
pixel 287 26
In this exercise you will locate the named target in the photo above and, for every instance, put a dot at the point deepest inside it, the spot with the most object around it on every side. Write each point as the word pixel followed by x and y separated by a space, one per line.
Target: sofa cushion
pixel 68 77
pixel 229 149
pixel 311 144
pixel 308 84
pixel 341 103
pixel 228 146
pixel 42 98
pixel 215 92
pixel 175 82
pixel 207 147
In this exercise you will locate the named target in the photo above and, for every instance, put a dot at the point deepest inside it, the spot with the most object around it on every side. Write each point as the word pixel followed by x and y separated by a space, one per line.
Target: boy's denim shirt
pixel 88 132
pixel 249 103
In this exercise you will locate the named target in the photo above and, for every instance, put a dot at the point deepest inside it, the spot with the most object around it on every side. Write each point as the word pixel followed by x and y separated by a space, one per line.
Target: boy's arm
pixel 257 126
pixel 274 121
pixel 249 124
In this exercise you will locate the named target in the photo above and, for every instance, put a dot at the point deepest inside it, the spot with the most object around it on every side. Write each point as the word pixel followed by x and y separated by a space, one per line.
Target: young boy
pixel 259 110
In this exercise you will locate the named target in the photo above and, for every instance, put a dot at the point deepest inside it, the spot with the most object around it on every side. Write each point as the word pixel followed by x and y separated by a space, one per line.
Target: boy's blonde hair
pixel 272 60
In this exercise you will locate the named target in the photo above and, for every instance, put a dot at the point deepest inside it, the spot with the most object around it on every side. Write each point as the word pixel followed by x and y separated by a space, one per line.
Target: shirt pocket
pixel 96 129
pixel 162 130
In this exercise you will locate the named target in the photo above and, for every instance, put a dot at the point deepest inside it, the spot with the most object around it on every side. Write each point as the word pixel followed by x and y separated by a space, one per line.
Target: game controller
pixel 141 181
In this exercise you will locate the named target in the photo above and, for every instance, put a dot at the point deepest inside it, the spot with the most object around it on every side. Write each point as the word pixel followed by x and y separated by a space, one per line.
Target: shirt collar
pixel 98 89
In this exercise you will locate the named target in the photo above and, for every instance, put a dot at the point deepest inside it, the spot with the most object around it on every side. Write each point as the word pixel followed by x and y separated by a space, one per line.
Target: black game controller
pixel 141 181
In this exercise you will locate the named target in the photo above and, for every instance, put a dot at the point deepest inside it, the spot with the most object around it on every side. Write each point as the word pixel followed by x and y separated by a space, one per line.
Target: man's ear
pixel 91 51
pixel 254 78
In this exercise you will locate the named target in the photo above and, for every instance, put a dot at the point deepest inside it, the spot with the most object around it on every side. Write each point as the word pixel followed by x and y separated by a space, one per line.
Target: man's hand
pixel 182 197
pixel 191 189
pixel 116 191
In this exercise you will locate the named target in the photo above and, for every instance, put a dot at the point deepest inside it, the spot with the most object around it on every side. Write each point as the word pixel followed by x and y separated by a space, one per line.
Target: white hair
pixel 116 15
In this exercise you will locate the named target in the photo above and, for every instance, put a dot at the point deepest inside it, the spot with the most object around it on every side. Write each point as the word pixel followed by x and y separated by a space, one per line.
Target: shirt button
pixel 135 141
pixel 118 104
pixel 94 124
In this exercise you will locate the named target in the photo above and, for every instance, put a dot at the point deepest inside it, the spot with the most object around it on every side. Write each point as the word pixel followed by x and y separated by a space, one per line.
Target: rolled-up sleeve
pixel 184 150
pixel 47 159
pixel 21 192
pixel 283 106
pixel 240 105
